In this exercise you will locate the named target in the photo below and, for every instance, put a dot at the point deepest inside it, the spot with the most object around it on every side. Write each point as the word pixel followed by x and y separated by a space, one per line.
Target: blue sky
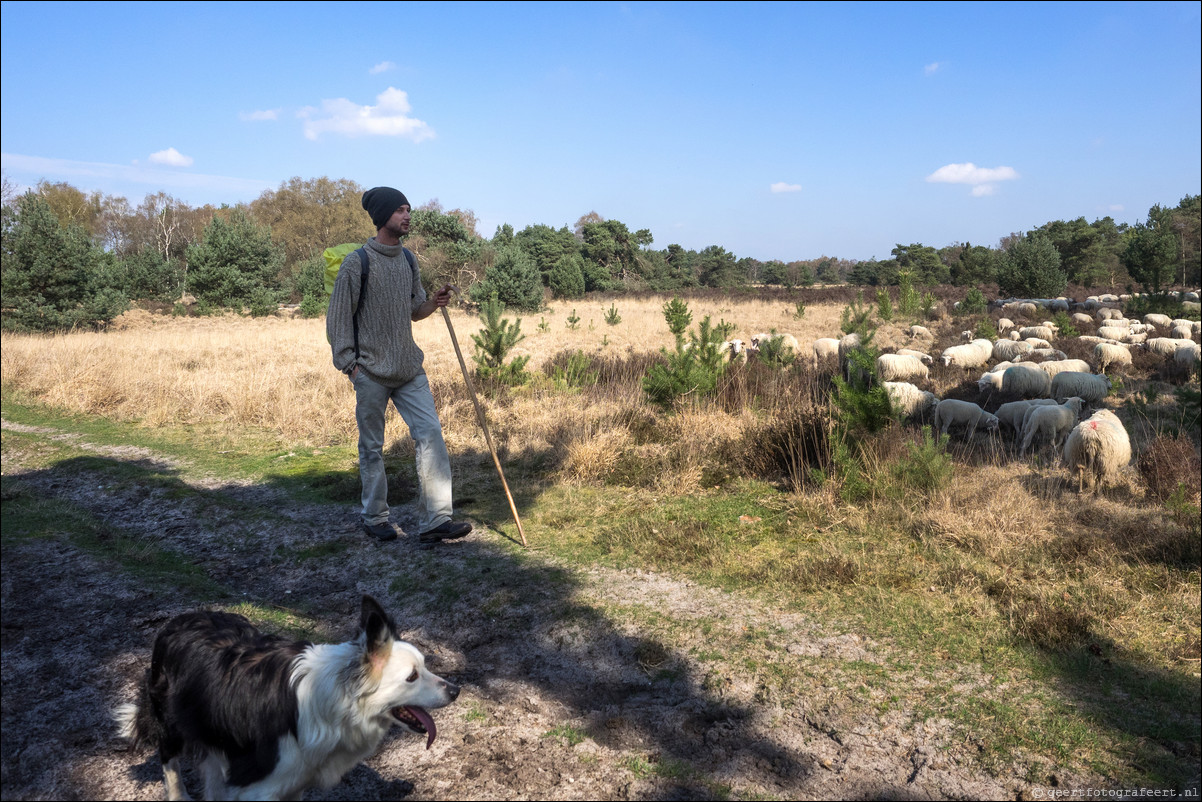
pixel 778 131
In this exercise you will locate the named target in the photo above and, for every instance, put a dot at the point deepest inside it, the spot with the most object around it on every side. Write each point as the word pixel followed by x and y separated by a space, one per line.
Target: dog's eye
pixel 412 677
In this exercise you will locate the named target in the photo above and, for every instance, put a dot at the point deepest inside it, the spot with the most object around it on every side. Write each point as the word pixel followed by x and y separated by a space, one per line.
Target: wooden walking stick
pixel 471 390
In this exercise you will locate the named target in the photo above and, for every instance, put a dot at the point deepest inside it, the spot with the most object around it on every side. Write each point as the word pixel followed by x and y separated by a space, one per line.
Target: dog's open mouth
pixel 418 720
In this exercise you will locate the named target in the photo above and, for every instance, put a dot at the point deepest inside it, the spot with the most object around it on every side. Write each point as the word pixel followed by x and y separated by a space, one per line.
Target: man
pixel 374 346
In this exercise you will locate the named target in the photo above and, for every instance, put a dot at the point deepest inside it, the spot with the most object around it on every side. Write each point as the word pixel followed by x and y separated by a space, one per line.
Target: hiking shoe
pixel 451 530
pixel 383 532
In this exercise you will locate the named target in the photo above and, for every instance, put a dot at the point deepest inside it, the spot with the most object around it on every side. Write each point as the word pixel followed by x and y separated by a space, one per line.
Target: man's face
pixel 398 224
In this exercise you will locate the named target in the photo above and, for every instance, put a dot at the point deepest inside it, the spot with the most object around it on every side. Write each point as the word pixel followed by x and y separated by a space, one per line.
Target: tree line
pixel 75 259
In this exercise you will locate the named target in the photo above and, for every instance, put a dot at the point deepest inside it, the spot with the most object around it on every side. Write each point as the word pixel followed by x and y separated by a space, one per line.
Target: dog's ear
pixel 377 625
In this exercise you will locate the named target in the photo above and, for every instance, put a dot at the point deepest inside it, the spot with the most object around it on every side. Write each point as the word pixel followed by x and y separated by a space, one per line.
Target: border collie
pixel 267 718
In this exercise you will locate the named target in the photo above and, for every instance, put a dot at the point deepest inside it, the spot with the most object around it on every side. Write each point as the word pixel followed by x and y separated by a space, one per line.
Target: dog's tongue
pixel 427 722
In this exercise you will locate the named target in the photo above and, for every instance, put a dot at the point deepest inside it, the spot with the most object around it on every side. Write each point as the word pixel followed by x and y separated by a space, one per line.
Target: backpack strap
pixel 365 272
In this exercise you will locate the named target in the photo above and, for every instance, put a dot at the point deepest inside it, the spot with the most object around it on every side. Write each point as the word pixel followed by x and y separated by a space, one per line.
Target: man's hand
pixel 439 301
pixel 443 296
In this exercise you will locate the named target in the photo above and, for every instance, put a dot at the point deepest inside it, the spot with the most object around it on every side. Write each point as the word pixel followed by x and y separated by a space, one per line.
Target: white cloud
pixel 256 116
pixel 1116 207
pixel 32 168
pixel 383 66
pixel 931 68
pixel 171 157
pixel 981 179
pixel 781 186
pixel 389 117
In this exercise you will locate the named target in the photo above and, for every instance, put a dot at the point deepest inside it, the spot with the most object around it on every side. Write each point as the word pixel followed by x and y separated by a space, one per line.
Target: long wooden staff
pixel 471 390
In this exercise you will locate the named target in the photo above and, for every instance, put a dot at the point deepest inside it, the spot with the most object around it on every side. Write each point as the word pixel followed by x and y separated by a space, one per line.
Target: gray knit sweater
pixel 387 352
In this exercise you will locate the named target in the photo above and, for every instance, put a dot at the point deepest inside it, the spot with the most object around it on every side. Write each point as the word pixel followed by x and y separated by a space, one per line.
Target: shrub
pixel 262 303
pixel 573 320
pixel 514 279
pixel 677 313
pixel 985 330
pixel 312 306
pixel 233 262
pixel 973 304
pixel 571 369
pixel 1064 325
pixel 908 302
pixel 611 315
pixel 855 316
pixel 1030 268
pixel 689 372
pixel 795 444
pixel 884 305
pixel 493 344
pixel 1169 462
pixel 566 277
pixel 927 467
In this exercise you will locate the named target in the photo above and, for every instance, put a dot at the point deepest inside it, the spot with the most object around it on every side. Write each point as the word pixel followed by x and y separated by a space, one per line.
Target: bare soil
pixel 578 684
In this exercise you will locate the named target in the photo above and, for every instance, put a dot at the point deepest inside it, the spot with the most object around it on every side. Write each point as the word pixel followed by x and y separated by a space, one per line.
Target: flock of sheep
pixel 1053 391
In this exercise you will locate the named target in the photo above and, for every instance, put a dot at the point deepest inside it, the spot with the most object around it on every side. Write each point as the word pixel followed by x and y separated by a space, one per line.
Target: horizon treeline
pixel 72 258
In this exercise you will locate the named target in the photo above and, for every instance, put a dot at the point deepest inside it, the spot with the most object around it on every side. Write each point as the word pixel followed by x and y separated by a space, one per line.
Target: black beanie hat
pixel 381 202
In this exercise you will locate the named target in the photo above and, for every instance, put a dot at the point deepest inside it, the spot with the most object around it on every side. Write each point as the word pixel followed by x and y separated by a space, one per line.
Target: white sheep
pixel 1158 320
pixel 925 358
pixel 1041 332
pixel 849 343
pixel 1042 353
pixel 1011 414
pixel 1051 422
pixel 900 367
pixel 1114 333
pixel 1004 325
pixel 1009 349
pixel 1037 342
pixel 1092 389
pixel 1097 449
pixel 825 348
pixel 1082 319
pixel 1188 357
pixel 1166 346
pixel 1054 366
pixel 907 400
pixel 1106 355
pixel 733 351
pixel 1028 309
pixel 1182 332
pixel 1026 380
pixel 975 354
pixel 1108 313
pixel 920 331
pixel 953 412
pixel 992 378
pixel 788 343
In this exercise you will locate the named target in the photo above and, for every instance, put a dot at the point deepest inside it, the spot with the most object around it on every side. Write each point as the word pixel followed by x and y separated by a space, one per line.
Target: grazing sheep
pixel 849 343
pixel 1113 333
pixel 1028 309
pixel 1004 325
pixel 1180 332
pixel 1052 422
pixel 1039 332
pixel 992 378
pixel 1082 319
pixel 952 412
pixel 1090 388
pixel 907 400
pixel 1188 357
pixel 1106 355
pixel 1159 320
pixel 1027 381
pixel 787 343
pixel 1014 335
pixel 825 348
pixel 925 358
pixel 1009 349
pixel 899 367
pixel 975 354
pixel 1054 366
pixel 1043 353
pixel 1011 415
pixel 921 331
pixel 1166 346
pixel 1097 449
pixel 1108 313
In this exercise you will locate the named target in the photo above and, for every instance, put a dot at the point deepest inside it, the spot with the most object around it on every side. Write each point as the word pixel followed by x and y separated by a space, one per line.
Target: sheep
pixel 824 348
pixel 966 336
pixel 1040 332
pixel 1180 321
pixel 1097 449
pixel 1166 346
pixel 1054 421
pixel 1106 355
pixel 899 367
pixel 1028 309
pixel 1090 388
pixel 1027 381
pixel 924 358
pixel 907 400
pixel 1082 319
pixel 733 351
pixel 1179 332
pixel 950 411
pixel 1159 320
pixel 975 354
pixel 1012 414
pixel 1004 325
pixel 920 331
pixel 849 343
pixel 1008 349
pixel 1054 366
pixel 788 342
pixel 1188 357
pixel 992 378
pixel 1013 335
pixel 1042 353
pixel 1113 333
pixel 1108 313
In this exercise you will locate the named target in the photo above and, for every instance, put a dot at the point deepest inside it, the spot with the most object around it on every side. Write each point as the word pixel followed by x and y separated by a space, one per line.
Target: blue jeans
pixel 415 403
